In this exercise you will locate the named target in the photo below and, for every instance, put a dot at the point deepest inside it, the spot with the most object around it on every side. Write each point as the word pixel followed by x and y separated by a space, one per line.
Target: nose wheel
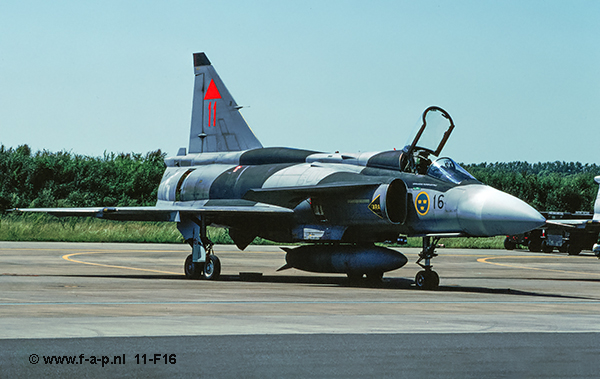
pixel 427 279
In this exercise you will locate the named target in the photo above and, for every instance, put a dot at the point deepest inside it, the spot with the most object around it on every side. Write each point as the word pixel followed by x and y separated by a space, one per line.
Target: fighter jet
pixel 338 205
pixel 568 233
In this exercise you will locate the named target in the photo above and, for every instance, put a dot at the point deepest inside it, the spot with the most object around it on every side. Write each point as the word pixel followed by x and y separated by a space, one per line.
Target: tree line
pixel 549 186
pixel 64 179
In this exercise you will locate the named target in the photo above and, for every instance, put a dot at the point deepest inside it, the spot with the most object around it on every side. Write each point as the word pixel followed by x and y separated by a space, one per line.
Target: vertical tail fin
pixel 217 124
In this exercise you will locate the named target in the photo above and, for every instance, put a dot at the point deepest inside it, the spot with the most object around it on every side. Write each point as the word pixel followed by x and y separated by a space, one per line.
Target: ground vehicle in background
pixel 547 240
pixel 568 232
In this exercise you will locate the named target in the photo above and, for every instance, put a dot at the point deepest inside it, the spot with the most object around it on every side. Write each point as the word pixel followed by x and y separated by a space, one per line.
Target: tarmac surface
pixel 497 313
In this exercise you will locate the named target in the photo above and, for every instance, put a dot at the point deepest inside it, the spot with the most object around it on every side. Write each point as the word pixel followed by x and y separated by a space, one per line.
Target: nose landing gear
pixel 427 279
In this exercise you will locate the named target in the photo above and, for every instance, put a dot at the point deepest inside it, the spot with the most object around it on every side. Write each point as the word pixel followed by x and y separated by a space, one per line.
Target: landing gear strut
pixel 202 262
pixel 427 279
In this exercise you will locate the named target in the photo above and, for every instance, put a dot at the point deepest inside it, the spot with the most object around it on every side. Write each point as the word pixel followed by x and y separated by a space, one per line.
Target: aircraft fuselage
pixel 335 197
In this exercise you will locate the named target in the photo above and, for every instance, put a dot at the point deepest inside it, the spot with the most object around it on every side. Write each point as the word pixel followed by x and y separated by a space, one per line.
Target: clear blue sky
pixel 520 78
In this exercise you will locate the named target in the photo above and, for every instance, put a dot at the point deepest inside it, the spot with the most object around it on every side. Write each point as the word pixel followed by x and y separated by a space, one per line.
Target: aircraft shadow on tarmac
pixel 386 283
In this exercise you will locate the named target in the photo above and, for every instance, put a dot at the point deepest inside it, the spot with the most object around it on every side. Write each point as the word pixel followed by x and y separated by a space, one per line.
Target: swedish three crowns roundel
pixel 422 203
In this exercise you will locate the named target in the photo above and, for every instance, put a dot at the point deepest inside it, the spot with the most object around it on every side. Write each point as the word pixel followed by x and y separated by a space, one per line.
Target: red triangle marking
pixel 212 92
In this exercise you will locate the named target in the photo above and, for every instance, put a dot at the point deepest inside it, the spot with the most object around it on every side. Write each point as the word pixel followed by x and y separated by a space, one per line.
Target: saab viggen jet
pixel 336 204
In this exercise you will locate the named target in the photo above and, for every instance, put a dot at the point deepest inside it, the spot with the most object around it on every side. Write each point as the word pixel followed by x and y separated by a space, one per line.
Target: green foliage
pixel 550 186
pixel 42 227
pixel 461 242
pixel 63 179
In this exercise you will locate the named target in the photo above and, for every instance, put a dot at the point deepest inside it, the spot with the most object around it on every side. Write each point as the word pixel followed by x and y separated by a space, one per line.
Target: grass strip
pixel 42 227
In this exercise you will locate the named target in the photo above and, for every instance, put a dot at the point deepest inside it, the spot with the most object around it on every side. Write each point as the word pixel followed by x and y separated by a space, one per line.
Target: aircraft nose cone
pixel 486 211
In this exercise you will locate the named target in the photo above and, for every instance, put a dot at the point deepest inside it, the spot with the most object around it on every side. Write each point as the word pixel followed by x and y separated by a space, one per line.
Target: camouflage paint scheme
pixel 228 179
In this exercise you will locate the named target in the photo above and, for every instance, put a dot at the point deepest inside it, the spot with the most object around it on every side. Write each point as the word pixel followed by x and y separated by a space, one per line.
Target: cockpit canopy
pixel 431 132
pixel 419 156
pixel 427 140
pixel 449 171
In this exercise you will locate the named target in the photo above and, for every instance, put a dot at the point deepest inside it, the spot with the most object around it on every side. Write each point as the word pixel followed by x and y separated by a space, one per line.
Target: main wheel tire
pixel 546 248
pixel 509 244
pixel 191 269
pixel 212 267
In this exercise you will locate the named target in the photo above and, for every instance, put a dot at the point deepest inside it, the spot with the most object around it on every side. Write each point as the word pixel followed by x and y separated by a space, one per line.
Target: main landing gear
pixel 202 263
pixel 209 270
pixel 427 279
